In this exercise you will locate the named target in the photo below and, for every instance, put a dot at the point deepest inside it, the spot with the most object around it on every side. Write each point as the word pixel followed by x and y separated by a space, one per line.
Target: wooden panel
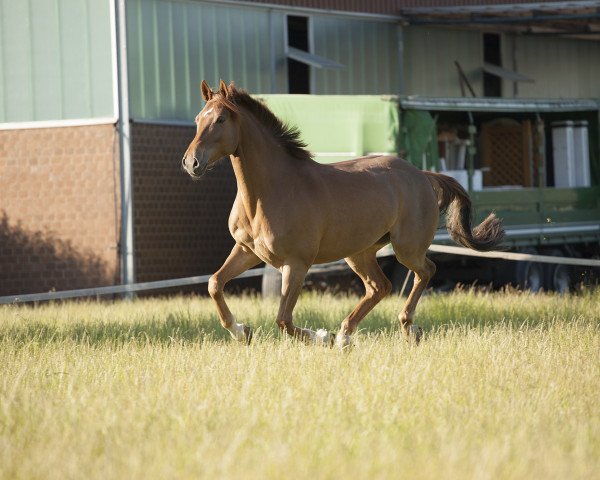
pixel 507 153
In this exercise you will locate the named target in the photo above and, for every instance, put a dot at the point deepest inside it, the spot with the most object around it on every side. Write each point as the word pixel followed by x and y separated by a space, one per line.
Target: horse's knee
pixel 215 286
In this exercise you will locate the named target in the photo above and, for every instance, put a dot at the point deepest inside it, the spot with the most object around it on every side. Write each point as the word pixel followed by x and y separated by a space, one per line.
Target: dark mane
pixel 287 136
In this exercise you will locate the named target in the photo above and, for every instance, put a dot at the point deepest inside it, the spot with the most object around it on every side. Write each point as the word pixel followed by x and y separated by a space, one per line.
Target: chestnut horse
pixel 293 212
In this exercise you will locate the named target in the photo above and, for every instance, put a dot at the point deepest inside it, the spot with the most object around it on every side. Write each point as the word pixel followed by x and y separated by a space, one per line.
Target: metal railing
pixel 338 266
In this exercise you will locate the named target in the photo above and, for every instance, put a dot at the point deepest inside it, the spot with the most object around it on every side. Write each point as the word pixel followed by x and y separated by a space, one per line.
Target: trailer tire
pixel 557 276
pixel 271 282
pixel 529 275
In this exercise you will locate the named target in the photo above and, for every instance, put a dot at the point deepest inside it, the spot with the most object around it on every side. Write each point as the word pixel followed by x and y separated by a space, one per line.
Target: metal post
pixel 124 130
pixel 541 151
pixel 471 151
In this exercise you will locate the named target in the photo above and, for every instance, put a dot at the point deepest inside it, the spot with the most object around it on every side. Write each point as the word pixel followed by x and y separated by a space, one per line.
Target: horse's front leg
pixel 240 259
pixel 292 279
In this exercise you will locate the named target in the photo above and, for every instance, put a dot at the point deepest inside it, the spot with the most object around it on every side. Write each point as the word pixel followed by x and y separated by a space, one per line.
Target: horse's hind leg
pixel 377 286
pixel 424 269
pixel 239 260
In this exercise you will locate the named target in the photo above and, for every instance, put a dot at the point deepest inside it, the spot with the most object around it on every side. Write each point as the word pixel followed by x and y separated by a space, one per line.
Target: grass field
pixel 504 385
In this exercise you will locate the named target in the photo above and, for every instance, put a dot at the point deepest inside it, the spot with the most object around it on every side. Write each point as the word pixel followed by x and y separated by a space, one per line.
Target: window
pixel 492 84
pixel 297 37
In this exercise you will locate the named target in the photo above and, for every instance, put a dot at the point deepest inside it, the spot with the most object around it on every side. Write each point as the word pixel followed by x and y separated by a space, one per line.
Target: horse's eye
pixel 220 119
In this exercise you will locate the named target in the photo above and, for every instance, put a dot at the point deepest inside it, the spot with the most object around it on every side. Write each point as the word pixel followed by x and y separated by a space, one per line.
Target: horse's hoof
pixel 324 338
pixel 248 334
pixel 343 340
pixel 416 333
pixel 413 334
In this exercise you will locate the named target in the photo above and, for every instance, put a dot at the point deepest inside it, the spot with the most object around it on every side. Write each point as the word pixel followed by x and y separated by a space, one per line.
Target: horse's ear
pixel 223 89
pixel 206 91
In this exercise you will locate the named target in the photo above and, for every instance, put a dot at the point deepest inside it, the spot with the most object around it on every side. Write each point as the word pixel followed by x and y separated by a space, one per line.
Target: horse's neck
pixel 260 166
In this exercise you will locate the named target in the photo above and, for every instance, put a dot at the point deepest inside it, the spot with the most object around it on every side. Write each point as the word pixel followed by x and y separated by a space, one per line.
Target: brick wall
pixel 180 224
pixel 59 207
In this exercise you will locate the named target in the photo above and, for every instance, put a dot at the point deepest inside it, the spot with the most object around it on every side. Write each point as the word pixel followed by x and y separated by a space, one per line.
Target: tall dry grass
pixel 505 385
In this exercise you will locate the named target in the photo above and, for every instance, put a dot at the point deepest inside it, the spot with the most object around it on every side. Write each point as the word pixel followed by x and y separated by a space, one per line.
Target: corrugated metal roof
pixel 384 7
pixel 576 18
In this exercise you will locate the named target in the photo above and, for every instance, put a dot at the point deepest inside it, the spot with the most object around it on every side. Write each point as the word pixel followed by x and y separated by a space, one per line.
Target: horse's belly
pixel 327 254
pixel 345 242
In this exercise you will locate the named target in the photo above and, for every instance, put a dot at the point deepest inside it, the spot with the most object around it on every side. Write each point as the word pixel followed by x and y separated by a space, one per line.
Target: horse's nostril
pixel 195 165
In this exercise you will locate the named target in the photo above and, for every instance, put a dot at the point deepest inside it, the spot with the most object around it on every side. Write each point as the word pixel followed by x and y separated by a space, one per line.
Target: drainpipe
pixel 121 83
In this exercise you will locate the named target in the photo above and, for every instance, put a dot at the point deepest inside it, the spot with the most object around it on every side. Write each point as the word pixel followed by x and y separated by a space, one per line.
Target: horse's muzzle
pixel 193 166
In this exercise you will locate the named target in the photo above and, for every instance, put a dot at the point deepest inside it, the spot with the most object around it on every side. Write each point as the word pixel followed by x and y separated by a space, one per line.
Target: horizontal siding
pixel 56 60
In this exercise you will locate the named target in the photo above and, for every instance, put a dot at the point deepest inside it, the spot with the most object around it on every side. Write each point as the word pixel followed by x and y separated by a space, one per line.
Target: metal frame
pixel 76 122
pixel 517 7
pixel 305 10
pixel 496 104
pixel 334 267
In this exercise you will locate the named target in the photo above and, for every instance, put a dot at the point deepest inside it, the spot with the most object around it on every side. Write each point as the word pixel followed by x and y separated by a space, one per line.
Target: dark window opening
pixel 298 72
pixel 492 84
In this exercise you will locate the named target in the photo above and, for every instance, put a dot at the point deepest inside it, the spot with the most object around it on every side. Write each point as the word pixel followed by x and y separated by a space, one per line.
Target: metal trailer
pixel 535 162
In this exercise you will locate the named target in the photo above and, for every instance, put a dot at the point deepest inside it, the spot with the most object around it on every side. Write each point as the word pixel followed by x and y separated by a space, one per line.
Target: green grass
pixel 505 385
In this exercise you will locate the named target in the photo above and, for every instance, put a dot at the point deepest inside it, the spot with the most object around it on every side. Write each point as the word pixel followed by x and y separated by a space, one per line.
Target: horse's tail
pixel 453 198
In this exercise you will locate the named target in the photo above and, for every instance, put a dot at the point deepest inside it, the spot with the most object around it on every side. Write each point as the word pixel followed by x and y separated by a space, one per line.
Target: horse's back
pixel 384 172
pixel 374 163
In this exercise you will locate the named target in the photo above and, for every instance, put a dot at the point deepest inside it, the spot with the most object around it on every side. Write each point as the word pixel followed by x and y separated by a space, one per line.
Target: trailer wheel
pixel 271 282
pixel 558 277
pixel 529 275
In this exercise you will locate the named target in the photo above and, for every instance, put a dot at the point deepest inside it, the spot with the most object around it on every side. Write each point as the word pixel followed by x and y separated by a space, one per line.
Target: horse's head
pixel 217 132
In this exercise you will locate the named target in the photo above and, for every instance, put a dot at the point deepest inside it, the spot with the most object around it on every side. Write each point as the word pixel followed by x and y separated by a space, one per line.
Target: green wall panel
pixel 56 60
pixel 560 67
pixel 429 60
pixel 174 45
pixel 368 50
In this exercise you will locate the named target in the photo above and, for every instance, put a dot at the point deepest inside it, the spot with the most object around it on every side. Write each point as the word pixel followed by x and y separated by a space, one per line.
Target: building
pixel 97 98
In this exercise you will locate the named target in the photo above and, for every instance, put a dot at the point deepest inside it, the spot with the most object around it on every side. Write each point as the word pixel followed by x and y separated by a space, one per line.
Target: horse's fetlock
pixel 406 320
pixel 285 325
